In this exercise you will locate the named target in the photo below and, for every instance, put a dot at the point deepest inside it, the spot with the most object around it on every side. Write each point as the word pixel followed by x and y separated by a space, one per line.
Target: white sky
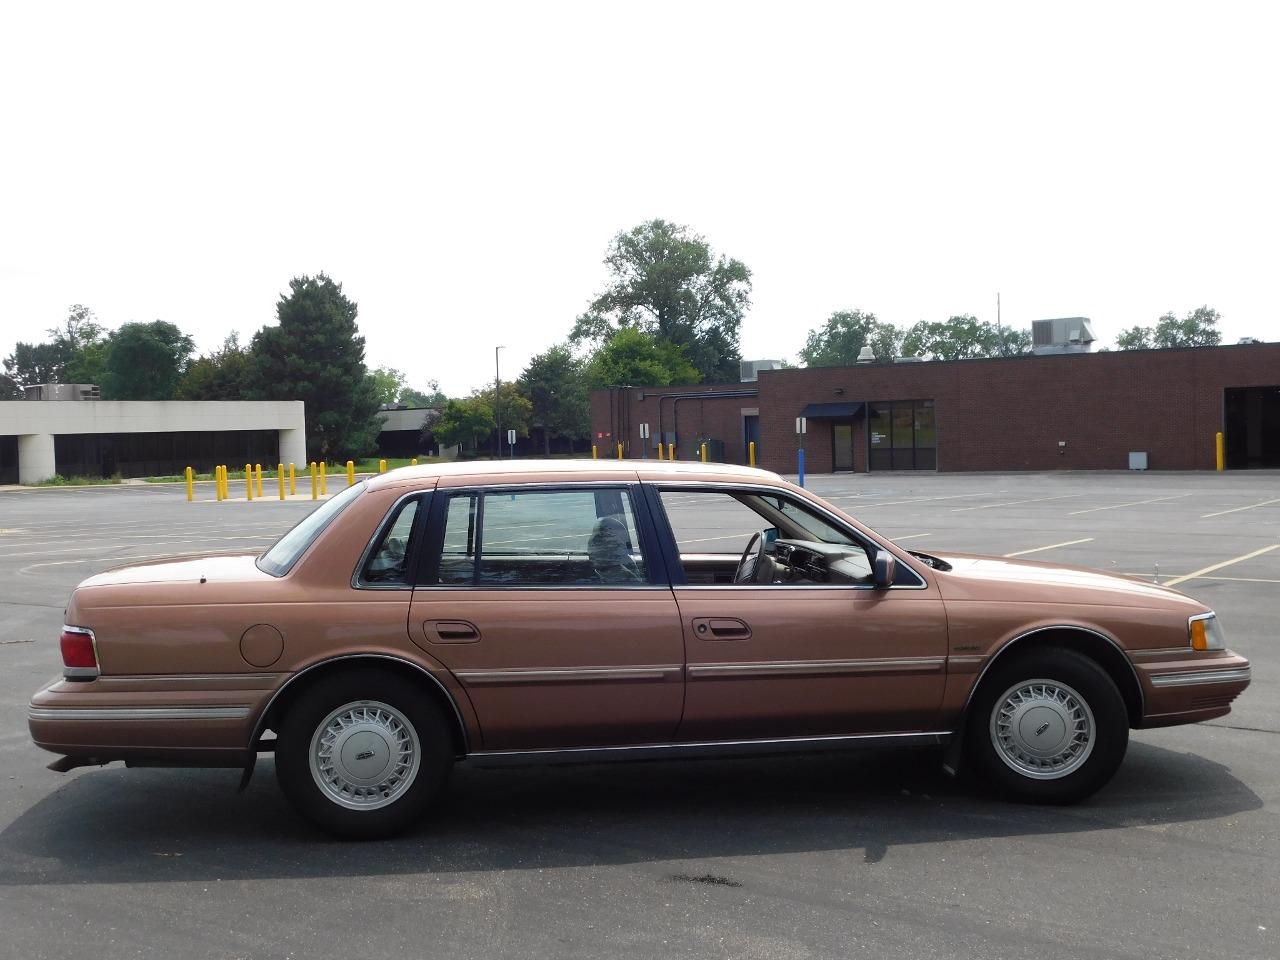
pixel 462 168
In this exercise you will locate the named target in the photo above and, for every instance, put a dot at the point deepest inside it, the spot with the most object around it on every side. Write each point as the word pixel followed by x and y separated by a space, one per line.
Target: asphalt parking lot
pixel 877 854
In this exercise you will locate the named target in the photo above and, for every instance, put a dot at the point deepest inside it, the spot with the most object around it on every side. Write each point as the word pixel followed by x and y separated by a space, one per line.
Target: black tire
pixel 363 695
pixel 1090 760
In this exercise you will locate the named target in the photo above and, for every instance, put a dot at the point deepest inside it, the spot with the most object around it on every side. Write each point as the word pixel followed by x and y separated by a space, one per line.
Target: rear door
pixel 550 605
pixel 799 659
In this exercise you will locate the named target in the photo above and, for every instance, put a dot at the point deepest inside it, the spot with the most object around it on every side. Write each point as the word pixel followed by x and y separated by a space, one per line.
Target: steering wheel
pixel 755 566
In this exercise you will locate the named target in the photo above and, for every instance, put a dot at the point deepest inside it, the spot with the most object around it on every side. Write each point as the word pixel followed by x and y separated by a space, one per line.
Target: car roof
pixel 507 470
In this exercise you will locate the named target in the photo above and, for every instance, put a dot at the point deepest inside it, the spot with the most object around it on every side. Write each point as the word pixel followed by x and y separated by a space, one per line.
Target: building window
pixel 902 435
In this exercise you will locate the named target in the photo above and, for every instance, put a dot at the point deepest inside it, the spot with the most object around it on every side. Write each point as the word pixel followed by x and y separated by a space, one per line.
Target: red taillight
pixel 78 654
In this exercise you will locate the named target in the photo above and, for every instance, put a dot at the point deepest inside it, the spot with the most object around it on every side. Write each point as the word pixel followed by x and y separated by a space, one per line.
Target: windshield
pixel 278 560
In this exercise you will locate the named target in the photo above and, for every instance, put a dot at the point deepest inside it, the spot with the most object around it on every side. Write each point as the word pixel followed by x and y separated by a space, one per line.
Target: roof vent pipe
pixel 867 355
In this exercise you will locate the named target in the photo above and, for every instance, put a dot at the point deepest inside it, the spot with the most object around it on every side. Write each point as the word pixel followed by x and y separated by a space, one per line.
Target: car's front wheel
pixel 362 754
pixel 1048 726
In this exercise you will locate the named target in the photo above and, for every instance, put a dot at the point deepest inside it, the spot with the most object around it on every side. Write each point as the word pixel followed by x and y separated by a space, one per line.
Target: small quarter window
pixel 389 561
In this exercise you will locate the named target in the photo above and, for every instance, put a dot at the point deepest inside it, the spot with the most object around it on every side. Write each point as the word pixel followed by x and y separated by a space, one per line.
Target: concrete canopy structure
pixel 42 438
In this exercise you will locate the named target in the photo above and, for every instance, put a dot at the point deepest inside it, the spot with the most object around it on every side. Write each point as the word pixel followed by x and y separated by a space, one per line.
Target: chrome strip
pixel 664 751
pixel 457 714
pixel 138 713
pixel 816 668
pixel 1193 678
pixel 1163 653
pixel 121 679
pixel 473 678
pixel 996 654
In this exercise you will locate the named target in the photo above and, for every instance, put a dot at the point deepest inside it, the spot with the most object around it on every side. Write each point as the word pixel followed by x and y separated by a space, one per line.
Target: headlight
pixel 1205 632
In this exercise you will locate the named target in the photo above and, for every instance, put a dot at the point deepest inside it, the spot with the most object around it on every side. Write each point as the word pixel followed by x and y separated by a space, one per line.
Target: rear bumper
pixel 207 722
pixel 1192 687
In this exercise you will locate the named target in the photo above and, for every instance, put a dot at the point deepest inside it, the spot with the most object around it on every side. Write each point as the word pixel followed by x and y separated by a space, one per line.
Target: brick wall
pixel 1007 414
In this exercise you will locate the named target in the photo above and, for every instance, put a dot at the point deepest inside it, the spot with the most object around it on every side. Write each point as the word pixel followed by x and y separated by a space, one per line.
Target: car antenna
pixel 1156 576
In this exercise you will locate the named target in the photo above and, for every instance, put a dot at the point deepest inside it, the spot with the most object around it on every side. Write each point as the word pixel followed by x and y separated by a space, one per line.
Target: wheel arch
pixel 415 672
pixel 1088 641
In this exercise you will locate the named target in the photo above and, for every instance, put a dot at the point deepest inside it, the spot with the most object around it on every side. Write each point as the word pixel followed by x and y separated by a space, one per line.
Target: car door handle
pixel 451 631
pixel 721 628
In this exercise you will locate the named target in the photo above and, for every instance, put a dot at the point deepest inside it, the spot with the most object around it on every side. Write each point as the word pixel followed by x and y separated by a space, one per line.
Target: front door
pixel 540 601
pixel 801 658
pixel 842 447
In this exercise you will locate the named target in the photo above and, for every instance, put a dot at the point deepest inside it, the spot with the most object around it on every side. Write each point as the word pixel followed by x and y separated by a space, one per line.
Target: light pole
pixel 497 400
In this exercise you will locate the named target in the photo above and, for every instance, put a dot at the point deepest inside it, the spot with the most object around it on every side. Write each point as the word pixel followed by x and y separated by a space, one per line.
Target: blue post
pixel 801 466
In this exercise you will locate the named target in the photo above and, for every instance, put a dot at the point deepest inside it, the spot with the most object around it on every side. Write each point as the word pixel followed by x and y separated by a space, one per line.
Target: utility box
pixel 1137 460
pixel 715 449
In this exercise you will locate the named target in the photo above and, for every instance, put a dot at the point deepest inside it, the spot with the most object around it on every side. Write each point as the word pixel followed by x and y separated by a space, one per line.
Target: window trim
pixel 658 486
pixel 433 545
pixel 416 537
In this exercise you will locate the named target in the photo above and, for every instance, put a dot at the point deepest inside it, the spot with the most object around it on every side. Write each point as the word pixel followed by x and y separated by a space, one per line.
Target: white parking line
pixel 1131 503
pixel 1014 503
pixel 910 536
pixel 890 503
pixel 1218 566
pixel 1223 513
pixel 1052 546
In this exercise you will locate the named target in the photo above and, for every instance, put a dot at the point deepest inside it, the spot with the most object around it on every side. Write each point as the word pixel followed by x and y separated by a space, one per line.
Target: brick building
pixel 1074 411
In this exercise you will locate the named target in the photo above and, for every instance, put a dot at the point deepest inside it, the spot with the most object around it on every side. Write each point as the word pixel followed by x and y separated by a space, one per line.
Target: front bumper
pixel 1192 687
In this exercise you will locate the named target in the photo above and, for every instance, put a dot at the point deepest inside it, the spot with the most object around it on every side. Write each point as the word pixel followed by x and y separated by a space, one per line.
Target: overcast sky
pixel 462 168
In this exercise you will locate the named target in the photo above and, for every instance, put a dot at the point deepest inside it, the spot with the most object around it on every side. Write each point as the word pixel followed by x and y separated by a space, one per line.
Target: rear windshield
pixel 285 552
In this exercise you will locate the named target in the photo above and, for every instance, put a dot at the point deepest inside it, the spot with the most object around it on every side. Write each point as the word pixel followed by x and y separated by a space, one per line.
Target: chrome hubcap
pixel 364 755
pixel 1042 729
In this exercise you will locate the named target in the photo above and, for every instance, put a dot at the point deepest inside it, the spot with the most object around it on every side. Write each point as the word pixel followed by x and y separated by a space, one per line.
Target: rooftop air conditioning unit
pixel 62 391
pixel 749 370
pixel 1062 335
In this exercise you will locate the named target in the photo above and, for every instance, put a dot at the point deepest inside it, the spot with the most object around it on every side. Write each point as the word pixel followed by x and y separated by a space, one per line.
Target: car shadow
pixel 115 825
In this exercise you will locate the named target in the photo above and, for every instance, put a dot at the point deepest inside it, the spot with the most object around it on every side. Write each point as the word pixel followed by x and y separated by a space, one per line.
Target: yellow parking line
pixel 1052 546
pixel 1219 566
pixel 1221 513
pixel 1132 503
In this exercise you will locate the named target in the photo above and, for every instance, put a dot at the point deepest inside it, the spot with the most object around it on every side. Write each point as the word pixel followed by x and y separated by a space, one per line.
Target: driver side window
pixel 753 539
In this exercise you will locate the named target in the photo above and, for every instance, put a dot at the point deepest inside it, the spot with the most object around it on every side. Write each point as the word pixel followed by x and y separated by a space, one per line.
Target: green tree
pixel 838 342
pixel 74 353
pixel 224 374
pixel 431 397
pixel 666 280
pixel 633 358
pixel 1135 338
pixel 145 361
pixel 32 363
pixel 388 384
pixel 555 383
pixel 316 354
pixel 1199 328
pixel 464 420
pixel 964 337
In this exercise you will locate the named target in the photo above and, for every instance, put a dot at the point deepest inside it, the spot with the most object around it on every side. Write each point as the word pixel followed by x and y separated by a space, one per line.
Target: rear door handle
pixel 451 631
pixel 721 628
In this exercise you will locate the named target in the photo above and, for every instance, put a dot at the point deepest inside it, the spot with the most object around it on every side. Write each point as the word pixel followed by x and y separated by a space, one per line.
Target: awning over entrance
pixel 832 411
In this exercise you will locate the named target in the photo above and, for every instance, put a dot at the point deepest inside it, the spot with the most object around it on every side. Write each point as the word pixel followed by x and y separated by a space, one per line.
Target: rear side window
pixel 543 538
pixel 284 553
pixel 389 562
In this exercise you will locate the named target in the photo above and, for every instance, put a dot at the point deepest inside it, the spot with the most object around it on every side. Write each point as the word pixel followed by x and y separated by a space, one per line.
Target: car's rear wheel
pixel 362 754
pixel 1049 726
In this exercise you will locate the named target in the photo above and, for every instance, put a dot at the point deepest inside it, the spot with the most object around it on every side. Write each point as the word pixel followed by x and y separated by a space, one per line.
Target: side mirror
pixel 883 567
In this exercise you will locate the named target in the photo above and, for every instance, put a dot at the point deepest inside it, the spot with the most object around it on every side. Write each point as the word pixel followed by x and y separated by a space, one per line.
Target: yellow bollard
pixel 382 466
pixel 413 462
pixel 190 489
pixel 280 478
pixel 324 486
pixel 1219 452
pixel 661 455
pixel 223 483
pixel 703 453
pixel 595 452
pixel 351 472
pixel 248 481
pixel 314 489
pixel 751 453
pixel 293 482
pixel 257 475
pixel 217 482
pixel 671 452
pixel 619 451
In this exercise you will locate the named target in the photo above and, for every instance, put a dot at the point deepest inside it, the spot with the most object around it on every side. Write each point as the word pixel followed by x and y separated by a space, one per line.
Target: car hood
pixel 974 577
pixel 211 568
